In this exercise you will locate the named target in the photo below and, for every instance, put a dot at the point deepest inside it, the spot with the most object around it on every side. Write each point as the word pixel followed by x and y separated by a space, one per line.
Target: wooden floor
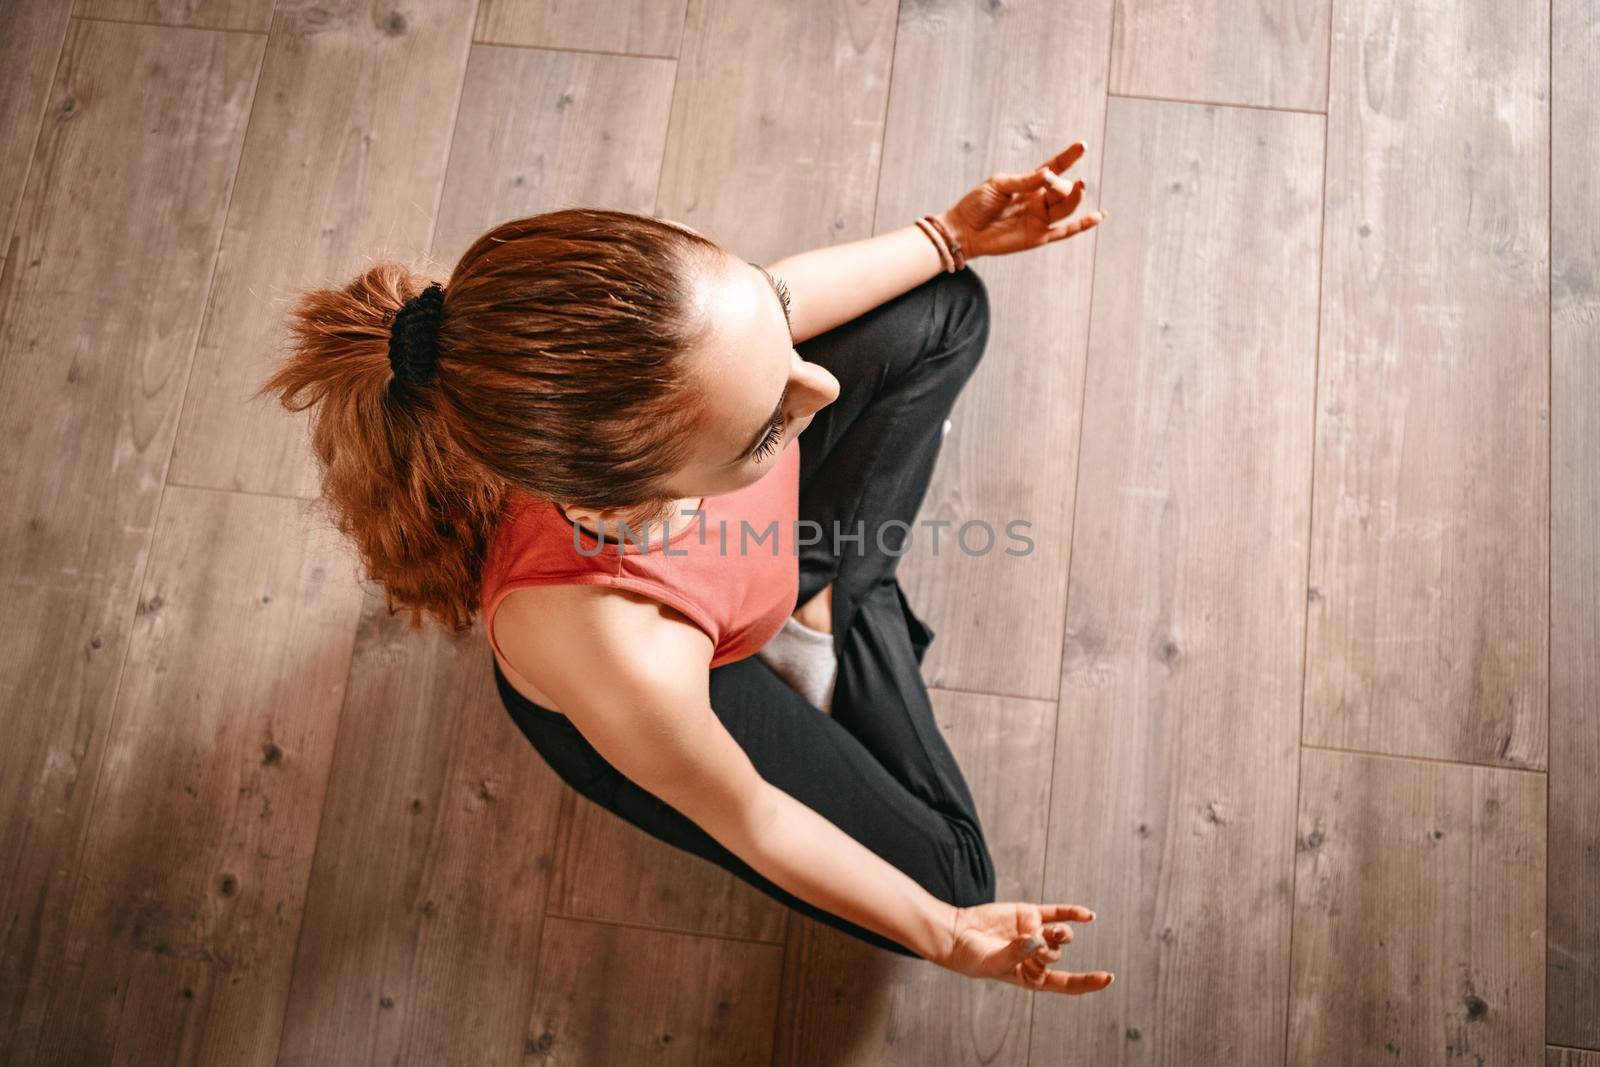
pixel 1300 689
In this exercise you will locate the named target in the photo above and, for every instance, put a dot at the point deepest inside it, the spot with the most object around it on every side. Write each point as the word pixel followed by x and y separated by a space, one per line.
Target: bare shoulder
pixel 633 675
pixel 567 636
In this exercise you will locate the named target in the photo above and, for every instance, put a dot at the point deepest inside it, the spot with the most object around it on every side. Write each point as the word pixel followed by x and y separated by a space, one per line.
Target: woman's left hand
pixel 1012 212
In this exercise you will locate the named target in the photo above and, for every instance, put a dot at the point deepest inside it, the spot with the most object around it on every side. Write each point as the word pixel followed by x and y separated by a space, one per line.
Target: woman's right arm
pixel 633 677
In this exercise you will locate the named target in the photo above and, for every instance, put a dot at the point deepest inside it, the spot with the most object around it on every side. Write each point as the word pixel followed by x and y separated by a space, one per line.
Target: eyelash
pixel 774 431
pixel 769 442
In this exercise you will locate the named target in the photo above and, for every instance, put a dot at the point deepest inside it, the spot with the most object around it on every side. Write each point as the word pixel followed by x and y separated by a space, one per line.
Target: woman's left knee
pixel 971 293
pixel 966 325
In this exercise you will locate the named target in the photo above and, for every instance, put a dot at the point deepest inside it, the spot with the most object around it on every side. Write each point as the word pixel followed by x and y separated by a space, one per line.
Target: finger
pixel 1034 203
pixel 1062 208
pixel 1048 981
pixel 1076 226
pixel 1044 957
pixel 1033 974
pixel 1043 946
pixel 1037 204
pixel 1071 913
pixel 1023 948
pixel 1058 934
pixel 1031 180
pixel 1067 156
pixel 1060 185
pixel 1017 183
pixel 1076 984
pixel 1029 946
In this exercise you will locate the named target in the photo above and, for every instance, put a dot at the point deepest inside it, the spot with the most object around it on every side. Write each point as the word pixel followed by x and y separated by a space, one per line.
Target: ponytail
pixel 554 370
pixel 421 513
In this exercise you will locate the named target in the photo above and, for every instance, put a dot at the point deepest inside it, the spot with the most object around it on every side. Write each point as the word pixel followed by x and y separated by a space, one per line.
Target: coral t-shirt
pixel 731 567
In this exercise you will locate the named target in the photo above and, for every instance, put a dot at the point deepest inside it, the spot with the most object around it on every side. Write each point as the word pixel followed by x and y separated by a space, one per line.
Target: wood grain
pixel 31 33
pixel 1574 946
pixel 541 130
pixel 631 995
pixel 254 15
pixel 841 993
pixel 632 27
pixel 977 92
pixel 1174 795
pixel 116 239
pixel 607 869
pixel 1428 616
pixel 781 155
pixel 745 167
pixel 442 826
pixel 1272 53
pixel 1419 913
pixel 233 852
pixel 183 927
pixel 424 910
pixel 343 165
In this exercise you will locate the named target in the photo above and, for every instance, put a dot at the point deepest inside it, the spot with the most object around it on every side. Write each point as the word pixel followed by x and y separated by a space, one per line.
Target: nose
pixel 812 388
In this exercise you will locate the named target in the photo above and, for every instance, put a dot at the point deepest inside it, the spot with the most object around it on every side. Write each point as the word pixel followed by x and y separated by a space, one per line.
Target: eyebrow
pixel 777 410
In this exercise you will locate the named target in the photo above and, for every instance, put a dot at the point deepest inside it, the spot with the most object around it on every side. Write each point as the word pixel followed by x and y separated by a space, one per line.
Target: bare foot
pixel 817 612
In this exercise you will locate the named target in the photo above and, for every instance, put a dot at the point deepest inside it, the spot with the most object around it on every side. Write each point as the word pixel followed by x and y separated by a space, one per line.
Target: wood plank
pixel 609 870
pixel 1429 567
pixel 31 33
pixel 344 164
pixel 747 163
pixel 1573 948
pixel 94 349
pixel 1042 66
pixel 840 993
pixel 1272 53
pixel 1419 913
pixel 254 15
pixel 424 909
pixel 409 950
pixel 1174 796
pixel 541 130
pixel 732 169
pixel 1570 1057
pixel 618 994
pixel 182 931
pixel 632 27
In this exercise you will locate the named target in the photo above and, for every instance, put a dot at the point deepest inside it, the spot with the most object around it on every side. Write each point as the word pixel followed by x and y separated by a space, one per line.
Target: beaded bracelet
pixel 950 240
pixel 946 260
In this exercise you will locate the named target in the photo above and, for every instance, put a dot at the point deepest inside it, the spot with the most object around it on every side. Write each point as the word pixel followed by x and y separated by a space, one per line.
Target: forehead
pixel 742 360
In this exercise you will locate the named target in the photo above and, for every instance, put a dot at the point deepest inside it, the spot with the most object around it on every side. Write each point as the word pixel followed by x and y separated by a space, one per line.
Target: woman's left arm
pixel 1006 213
pixel 832 285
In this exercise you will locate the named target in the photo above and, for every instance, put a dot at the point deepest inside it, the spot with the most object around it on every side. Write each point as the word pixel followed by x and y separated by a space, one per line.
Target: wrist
pixel 946 220
pixel 938 939
pixel 936 238
pixel 952 241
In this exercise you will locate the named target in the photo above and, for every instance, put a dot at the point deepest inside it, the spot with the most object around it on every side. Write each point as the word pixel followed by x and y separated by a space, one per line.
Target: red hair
pixel 559 374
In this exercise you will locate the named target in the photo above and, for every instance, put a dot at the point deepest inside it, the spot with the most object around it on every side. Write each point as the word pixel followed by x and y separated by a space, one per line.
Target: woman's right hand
pixel 1016 942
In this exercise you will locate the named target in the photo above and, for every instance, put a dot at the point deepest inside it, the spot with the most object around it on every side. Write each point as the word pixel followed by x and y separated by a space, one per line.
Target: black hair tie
pixel 414 337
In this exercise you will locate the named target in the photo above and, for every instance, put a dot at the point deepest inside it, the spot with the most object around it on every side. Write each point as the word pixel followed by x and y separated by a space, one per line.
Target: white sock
pixel 805 660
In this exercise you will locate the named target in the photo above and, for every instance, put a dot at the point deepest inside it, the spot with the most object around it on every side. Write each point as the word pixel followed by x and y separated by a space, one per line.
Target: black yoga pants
pixel 878 767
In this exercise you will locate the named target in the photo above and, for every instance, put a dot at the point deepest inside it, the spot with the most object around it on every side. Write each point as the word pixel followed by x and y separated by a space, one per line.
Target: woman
pixel 589 435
